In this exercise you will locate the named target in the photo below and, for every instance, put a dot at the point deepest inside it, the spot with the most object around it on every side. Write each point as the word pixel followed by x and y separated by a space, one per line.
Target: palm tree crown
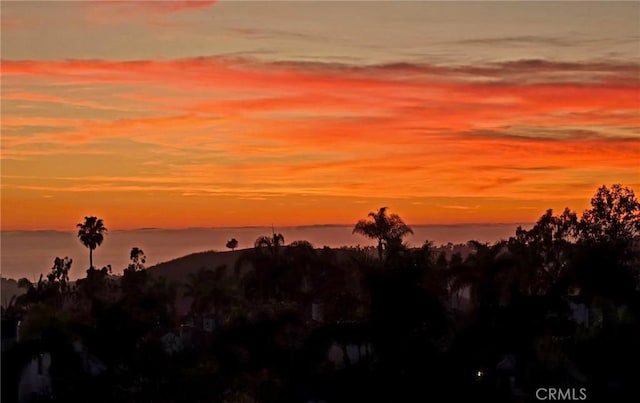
pixel 383 227
pixel 91 234
pixel 271 243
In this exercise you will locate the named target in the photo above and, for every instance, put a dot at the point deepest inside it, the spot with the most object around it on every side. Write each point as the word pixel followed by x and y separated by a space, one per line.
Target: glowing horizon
pixel 195 114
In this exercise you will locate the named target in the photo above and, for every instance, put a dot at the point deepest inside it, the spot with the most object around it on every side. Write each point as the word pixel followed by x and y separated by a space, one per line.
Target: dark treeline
pixel 555 306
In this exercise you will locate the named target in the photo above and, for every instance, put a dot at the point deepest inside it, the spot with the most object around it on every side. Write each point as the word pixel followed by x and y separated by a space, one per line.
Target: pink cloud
pixel 112 11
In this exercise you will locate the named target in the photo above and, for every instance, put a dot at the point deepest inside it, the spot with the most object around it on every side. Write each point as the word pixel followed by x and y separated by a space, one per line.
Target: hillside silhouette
pixel 556 305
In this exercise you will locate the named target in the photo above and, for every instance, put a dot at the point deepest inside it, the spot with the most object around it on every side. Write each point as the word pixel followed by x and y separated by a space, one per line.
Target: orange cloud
pixel 210 129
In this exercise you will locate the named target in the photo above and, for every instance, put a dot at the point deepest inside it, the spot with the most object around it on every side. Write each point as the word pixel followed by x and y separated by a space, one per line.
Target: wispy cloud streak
pixel 247 130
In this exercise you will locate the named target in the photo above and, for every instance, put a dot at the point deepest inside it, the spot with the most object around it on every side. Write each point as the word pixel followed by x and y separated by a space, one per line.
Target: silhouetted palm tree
pixel 91 234
pixel 272 243
pixel 385 228
pixel 265 264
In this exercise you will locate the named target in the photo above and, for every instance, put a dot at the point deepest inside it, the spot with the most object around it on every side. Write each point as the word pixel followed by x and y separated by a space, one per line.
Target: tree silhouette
pixel 52 289
pixel 541 255
pixel 272 243
pixel 386 229
pixel 295 272
pixel 138 259
pixel 265 264
pixel 96 285
pixel 614 216
pixel 409 322
pixel 484 273
pixel 134 276
pixel 10 312
pixel 91 234
pixel 32 291
pixel 608 259
pixel 232 244
pixel 58 278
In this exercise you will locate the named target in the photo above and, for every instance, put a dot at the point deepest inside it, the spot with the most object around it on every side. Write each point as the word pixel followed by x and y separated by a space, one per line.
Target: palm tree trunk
pixel 90 258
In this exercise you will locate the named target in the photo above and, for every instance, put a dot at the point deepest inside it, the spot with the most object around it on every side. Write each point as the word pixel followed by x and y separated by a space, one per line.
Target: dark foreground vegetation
pixel 556 306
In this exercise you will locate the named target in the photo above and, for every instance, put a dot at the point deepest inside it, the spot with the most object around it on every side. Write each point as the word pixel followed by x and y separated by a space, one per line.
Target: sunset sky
pixel 197 114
